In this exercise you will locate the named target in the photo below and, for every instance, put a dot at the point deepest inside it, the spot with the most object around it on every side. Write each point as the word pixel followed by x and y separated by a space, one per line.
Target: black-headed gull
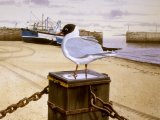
pixel 81 50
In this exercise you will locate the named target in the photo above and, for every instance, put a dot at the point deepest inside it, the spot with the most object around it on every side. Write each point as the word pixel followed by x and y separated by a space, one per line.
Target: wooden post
pixel 69 98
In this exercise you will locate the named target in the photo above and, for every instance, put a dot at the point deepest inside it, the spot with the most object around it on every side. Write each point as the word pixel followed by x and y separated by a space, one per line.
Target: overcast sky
pixel 112 16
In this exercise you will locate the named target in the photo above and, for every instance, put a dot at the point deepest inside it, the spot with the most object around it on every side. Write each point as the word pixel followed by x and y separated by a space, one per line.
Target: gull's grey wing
pixel 78 47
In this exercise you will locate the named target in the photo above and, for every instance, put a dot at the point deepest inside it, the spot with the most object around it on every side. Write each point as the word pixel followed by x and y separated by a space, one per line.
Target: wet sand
pixel 134 87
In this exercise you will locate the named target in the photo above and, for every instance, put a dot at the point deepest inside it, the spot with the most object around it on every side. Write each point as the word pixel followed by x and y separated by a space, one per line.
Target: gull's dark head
pixel 68 29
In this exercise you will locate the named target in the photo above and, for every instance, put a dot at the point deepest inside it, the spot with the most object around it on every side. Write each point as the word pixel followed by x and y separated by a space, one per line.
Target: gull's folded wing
pixel 78 47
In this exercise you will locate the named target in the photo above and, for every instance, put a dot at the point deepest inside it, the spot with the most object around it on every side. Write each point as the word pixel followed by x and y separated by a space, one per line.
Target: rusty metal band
pixel 58 82
pixel 70 112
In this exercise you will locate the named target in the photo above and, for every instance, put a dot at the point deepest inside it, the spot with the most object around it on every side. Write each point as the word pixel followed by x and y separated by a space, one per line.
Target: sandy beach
pixel 134 87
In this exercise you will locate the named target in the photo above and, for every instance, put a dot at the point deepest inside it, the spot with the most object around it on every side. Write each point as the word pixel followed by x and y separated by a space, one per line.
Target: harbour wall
pixel 14 34
pixel 10 34
pixel 146 37
pixel 97 35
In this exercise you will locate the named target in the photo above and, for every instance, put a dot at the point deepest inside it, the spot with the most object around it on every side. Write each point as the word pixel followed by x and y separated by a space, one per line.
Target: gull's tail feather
pixel 101 55
pixel 105 53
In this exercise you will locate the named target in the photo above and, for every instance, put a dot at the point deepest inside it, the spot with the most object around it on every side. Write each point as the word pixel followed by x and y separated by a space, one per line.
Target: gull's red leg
pixel 86 70
pixel 75 72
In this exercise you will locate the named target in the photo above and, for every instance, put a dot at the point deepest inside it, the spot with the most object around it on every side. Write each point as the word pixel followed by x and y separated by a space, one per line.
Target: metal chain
pixel 105 108
pixel 36 96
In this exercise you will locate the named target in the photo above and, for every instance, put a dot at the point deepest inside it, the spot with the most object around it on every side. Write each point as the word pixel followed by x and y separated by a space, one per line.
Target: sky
pixel 108 16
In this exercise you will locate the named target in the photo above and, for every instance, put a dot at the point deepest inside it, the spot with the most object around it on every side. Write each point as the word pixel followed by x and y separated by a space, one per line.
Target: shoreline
pixel 147 63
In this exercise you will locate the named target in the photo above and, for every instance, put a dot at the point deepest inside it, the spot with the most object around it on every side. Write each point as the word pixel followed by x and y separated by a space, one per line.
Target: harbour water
pixel 144 52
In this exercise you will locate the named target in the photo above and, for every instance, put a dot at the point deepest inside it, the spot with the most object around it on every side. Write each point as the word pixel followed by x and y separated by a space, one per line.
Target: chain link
pixel 105 108
pixel 36 96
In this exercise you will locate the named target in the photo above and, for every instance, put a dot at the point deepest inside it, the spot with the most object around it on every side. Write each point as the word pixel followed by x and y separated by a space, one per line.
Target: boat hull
pixel 31 36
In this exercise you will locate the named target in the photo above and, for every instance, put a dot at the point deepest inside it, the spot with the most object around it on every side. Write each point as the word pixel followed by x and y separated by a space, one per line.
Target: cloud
pixel 84 24
pixel 115 2
pixel 72 13
pixel 113 27
pixel 7 2
pixel 58 6
pixel 41 2
pixel 148 24
pixel 80 0
pixel 38 2
pixel 9 21
pixel 143 24
pixel 118 14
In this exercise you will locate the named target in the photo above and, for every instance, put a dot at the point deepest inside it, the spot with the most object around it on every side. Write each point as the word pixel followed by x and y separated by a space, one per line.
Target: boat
pixel 42 33
pixel 32 36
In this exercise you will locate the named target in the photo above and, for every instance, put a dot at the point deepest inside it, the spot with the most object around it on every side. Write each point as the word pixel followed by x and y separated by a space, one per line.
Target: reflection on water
pixel 115 42
pixel 144 52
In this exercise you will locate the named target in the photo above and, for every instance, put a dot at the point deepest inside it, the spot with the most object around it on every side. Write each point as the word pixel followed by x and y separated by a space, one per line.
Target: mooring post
pixel 70 98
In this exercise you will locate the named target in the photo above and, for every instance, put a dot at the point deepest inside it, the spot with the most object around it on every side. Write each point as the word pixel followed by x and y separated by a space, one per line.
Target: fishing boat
pixel 42 32
pixel 38 37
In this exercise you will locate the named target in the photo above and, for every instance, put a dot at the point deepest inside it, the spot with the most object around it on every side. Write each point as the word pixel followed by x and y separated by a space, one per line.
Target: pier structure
pixel 97 35
pixel 143 37
pixel 10 34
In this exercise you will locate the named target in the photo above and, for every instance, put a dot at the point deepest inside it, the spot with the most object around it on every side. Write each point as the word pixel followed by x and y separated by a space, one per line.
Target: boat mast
pixel 47 23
